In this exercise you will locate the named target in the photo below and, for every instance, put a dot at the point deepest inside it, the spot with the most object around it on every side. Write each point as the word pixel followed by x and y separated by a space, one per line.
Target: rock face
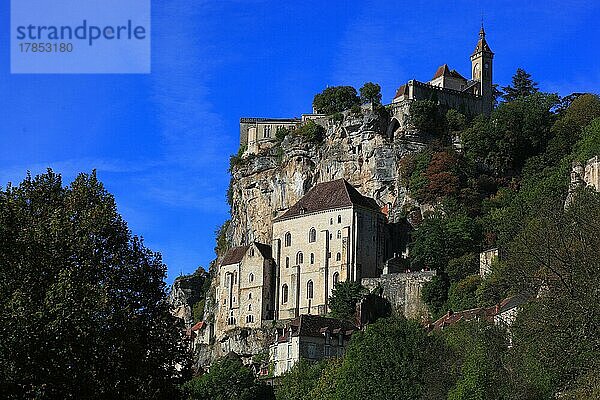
pixel 403 291
pixel 363 149
pixel 185 292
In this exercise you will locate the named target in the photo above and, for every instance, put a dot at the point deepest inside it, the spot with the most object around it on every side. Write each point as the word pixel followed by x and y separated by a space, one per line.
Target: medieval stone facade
pixel 332 234
pixel 244 294
pixel 450 89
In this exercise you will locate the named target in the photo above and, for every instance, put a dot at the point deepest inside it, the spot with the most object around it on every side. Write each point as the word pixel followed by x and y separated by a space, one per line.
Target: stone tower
pixel 481 62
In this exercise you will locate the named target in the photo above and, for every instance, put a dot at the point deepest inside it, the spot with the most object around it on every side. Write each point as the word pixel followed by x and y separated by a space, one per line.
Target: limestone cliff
pixel 361 149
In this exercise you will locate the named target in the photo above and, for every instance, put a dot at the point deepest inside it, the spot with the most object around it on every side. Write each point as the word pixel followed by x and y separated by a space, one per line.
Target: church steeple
pixel 481 62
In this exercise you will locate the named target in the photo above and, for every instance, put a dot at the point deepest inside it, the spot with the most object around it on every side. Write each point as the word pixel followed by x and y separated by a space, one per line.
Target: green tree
pixel 370 93
pixel 394 358
pixel 426 116
pixel 344 297
pixel 461 295
pixel 479 349
pixel 228 379
pixel 85 311
pixel 335 99
pixel 300 381
pixel 522 86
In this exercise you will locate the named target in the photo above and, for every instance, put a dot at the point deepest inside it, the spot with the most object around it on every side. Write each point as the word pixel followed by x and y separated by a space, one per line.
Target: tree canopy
pixel 522 86
pixel 335 99
pixel 84 304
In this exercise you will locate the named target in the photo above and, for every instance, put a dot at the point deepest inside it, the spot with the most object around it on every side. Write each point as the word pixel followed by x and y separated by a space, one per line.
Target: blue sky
pixel 161 142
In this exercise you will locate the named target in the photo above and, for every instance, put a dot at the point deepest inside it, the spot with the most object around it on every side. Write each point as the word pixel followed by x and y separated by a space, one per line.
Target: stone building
pixel 244 294
pixel 332 234
pixel 449 88
pixel 309 337
pixel 258 133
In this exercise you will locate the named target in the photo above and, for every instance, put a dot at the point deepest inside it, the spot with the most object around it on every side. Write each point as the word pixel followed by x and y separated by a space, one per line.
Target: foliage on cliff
pixel 85 313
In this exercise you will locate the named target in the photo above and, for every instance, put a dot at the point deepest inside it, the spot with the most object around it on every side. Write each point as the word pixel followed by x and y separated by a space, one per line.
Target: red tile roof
pixel 401 91
pixel 327 196
pixel 198 326
pixel 444 70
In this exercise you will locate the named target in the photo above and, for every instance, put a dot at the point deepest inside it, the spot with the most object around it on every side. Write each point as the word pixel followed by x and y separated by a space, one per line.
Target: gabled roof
pixel 308 325
pixel 328 196
pixel 401 91
pixel 444 70
pixel 236 254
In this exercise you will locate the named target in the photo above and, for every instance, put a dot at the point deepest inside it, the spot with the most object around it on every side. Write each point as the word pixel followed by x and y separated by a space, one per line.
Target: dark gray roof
pixel 236 254
pixel 327 196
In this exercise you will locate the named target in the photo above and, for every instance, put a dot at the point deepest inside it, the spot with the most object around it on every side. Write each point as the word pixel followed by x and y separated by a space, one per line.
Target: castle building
pixel 244 294
pixel 255 133
pixel 451 89
pixel 332 234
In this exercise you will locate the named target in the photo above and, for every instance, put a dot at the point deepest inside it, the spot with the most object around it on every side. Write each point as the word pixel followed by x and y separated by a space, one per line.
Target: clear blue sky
pixel 161 142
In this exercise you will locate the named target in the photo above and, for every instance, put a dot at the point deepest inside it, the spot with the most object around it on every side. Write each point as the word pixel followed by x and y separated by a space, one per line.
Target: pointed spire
pixel 482 31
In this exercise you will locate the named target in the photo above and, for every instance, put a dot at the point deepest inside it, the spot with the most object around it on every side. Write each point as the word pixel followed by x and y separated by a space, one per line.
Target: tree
pixel 85 312
pixel 335 99
pixel 344 297
pixel 300 381
pixel 426 116
pixel 370 93
pixel 522 86
pixel 461 295
pixel 228 379
pixel 479 349
pixel 394 358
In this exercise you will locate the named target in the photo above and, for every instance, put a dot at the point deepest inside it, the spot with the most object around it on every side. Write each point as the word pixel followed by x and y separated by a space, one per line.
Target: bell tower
pixel 481 67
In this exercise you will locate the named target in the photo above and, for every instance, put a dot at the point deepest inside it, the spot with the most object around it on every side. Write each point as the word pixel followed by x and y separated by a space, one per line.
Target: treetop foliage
pixel 336 99
pixel 84 304
pixel 522 86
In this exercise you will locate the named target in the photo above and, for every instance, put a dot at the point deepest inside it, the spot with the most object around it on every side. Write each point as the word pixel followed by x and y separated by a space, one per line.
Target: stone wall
pixel 403 291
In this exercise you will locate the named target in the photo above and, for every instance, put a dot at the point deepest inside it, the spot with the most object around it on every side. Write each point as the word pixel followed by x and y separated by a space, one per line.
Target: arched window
pixel 250 296
pixel 309 290
pixel 249 307
pixel 251 251
pixel 339 234
pixel 312 235
pixel 284 294
pixel 287 262
pixel 249 319
pixel 330 221
pixel 338 257
pixel 299 258
pixel 250 277
pixel 234 278
pixel 288 239
pixel 339 219
pixel 312 258
pixel 336 278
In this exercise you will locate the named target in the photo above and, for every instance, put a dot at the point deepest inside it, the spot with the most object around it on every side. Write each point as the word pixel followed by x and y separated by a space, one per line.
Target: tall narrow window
pixel 312 258
pixel 268 131
pixel 339 234
pixel 287 262
pixel 299 258
pixel 312 235
pixel 288 239
pixel 336 278
pixel 284 294
pixel 251 277
pixel 309 290
pixel 338 257
pixel 339 219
